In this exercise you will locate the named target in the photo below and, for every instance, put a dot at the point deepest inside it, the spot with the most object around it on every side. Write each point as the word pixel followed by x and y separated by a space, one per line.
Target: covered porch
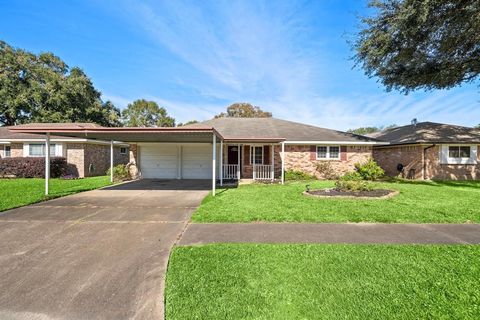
pixel 250 160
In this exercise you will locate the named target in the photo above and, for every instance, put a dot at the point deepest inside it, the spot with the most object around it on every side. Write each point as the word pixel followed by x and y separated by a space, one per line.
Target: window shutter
pixel 246 154
pixel 343 153
pixel 313 152
pixel 266 155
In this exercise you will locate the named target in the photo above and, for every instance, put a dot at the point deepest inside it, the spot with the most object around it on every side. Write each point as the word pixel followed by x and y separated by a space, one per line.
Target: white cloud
pixel 266 53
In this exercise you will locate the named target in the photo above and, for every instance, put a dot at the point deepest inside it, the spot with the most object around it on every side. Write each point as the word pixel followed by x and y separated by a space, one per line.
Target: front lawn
pixel 248 281
pixel 20 192
pixel 418 201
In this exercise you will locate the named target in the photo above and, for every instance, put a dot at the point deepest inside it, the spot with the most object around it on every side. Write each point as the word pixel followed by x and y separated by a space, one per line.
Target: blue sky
pixel 196 57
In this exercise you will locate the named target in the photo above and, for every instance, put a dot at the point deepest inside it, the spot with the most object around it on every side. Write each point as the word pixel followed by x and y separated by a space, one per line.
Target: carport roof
pixel 126 134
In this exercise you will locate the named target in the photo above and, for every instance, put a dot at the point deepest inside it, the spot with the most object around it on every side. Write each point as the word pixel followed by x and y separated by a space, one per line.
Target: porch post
pixel 111 161
pixel 282 157
pixel 47 162
pixel 272 151
pixel 214 160
pixel 238 162
pixel 221 162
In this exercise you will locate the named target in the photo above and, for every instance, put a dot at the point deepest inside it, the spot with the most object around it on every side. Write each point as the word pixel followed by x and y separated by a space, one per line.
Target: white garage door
pixel 197 161
pixel 158 161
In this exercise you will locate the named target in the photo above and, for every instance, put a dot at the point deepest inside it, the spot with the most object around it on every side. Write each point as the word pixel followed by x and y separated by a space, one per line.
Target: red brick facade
pixel 83 159
pixel 304 158
pixel 420 165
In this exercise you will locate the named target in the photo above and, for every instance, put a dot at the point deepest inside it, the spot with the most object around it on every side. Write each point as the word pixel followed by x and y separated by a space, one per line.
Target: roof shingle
pixel 272 128
pixel 429 132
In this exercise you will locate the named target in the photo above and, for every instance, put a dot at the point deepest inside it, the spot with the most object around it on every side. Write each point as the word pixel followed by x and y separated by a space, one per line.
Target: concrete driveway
pixel 95 255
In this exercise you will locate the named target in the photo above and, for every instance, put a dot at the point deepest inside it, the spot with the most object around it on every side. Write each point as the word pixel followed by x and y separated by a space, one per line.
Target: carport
pixel 180 149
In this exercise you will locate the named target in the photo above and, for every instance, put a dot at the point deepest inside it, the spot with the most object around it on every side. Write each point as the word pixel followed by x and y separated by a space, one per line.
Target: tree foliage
pixel 187 123
pixel 42 88
pixel 244 110
pixel 411 44
pixel 143 113
pixel 368 130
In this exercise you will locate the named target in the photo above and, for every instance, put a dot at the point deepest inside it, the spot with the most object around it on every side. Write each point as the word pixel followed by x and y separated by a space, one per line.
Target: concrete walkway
pixel 331 233
pixel 100 254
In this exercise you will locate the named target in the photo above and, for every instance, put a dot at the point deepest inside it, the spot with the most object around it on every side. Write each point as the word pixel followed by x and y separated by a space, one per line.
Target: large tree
pixel 187 123
pixel 368 130
pixel 143 113
pixel 244 110
pixel 42 88
pixel 410 44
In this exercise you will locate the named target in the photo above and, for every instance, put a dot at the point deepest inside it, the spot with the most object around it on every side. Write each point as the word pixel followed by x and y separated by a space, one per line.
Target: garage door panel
pixel 197 162
pixel 158 161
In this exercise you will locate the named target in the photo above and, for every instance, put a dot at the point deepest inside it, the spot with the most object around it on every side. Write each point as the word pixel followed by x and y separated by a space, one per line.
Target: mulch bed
pixel 373 194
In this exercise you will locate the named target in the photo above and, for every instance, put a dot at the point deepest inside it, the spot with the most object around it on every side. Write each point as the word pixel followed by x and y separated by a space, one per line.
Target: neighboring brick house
pixel 428 150
pixel 85 157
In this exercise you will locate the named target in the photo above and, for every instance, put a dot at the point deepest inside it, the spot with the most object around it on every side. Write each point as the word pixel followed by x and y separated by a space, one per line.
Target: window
pixel 466 154
pixel 123 150
pixel 328 152
pixel 256 155
pixel 7 151
pixel 459 151
pixel 38 150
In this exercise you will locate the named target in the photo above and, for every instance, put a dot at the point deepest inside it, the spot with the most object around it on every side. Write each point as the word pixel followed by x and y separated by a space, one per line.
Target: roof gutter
pixel 339 142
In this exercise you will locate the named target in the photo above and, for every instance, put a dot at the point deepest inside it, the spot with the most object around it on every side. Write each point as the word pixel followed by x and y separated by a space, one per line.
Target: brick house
pixel 85 157
pixel 228 148
pixel 428 150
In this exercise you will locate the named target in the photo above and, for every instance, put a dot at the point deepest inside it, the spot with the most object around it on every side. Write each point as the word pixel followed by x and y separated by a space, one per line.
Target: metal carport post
pixel 47 162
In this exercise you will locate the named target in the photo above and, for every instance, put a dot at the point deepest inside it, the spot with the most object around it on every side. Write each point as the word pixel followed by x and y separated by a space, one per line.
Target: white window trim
pixel 446 159
pixel 252 153
pixel 5 151
pixel 328 152
pixel 58 150
pixel 126 151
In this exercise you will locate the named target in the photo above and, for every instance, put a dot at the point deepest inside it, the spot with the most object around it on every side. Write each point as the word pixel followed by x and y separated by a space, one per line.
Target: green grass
pixel 422 202
pixel 20 192
pixel 247 281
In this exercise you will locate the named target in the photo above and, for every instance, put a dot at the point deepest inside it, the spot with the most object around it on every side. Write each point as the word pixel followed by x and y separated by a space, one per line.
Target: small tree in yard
pixel 369 170
pixel 120 172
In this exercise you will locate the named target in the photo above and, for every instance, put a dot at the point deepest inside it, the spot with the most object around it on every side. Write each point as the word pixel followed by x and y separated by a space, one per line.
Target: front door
pixel 232 155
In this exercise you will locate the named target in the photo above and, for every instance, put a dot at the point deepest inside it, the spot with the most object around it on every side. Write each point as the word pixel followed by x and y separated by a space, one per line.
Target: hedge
pixel 32 167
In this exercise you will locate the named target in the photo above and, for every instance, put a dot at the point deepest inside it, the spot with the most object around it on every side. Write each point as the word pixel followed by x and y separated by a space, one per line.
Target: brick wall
pixel 97 159
pixel 16 149
pixel 438 171
pixel 75 159
pixel 299 158
pixel 412 158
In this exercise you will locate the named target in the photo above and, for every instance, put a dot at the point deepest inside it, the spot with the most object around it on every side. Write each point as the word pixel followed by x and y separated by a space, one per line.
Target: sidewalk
pixel 201 233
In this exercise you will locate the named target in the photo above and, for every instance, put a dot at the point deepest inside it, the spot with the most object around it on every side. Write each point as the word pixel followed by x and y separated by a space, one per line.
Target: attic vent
pixel 414 121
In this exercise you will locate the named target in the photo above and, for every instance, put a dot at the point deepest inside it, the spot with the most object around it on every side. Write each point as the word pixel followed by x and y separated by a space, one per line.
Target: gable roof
pixel 428 132
pixel 277 129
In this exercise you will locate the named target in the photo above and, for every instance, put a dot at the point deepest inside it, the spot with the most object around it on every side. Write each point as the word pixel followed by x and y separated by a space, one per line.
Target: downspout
pixel 425 160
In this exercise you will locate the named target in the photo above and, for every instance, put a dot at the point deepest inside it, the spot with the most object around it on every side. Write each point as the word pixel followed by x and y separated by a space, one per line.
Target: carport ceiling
pixel 122 134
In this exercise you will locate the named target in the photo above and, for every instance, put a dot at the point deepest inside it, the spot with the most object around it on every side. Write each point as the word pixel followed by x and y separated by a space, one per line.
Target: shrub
pixel 369 170
pixel 120 172
pixel 351 176
pixel 297 175
pixel 32 167
pixel 353 185
pixel 326 170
